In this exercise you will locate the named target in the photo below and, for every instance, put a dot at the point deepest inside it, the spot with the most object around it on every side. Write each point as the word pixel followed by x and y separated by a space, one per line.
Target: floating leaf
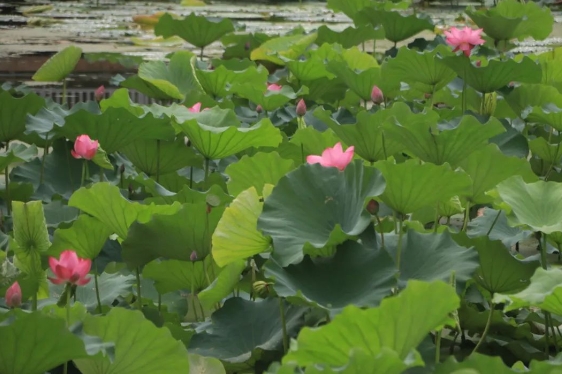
pixel 400 323
pixel 140 347
pixel 59 66
pixel 256 171
pixel 236 237
pixel 199 31
pixel 327 283
pixel 318 207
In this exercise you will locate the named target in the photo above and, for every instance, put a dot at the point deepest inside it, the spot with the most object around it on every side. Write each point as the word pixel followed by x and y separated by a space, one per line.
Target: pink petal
pixel 53 263
pixel 83 267
pixel 83 281
pixel 74 154
pixel 63 272
pixel 68 259
pixel 313 159
pixel 56 280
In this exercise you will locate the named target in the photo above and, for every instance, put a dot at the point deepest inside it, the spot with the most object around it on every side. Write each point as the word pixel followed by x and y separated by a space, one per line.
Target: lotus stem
pixel 284 325
pixel 399 246
pixel 97 291
pixel 551 325
pixel 159 302
pixel 207 161
pixel 83 178
pixel 63 101
pixel 544 259
pixel 43 159
pixel 486 328
pixel 65 369
pixel 201 54
pixel 494 223
pixel 158 161
pixel 437 346
pixel 193 295
pixel 382 232
pixel 139 300
pixel 464 86
pixel 201 308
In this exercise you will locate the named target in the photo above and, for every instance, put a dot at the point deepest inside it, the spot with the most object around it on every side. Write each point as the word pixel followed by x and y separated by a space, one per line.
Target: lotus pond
pixel 298 205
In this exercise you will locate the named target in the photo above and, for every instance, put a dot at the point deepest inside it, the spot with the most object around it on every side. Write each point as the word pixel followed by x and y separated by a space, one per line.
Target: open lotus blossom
pixel 84 147
pixel 333 157
pixel 99 93
pixel 464 39
pixel 69 268
pixel 274 87
pixel 13 296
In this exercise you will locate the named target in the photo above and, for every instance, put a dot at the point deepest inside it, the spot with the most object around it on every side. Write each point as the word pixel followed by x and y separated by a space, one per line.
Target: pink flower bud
pixel 196 108
pixel 69 268
pixel 376 95
pixel 84 147
pixel 259 109
pixel 274 87
pixel 301 108
pixel 478 63
pixel 373 207
pixel 13 296
pixel 99 93
pixel 193 256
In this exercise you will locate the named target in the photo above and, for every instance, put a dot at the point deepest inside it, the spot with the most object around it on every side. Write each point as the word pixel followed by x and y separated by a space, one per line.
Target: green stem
pixel 544 259
pixel 438 346
pixel 383 146
pixel 486 328
pixel 201 54
pixel 191 177
pixel 207 161
pixel 45 153
pixel 464 96
pixel 193 297
pixel 83 178
pixel 63 101
pixel 158 161
pixel 546 334
pixel 284 324
pixel 7 184
pixel 399 246
pixel 436 223
pixel 65 370
pixel 97 291
pixel 466 216
pixel 380 225
pixel 201 308
pixel 551 324
pixel 139 300
pixel 159 302
pixel 494 223
pixel 34 302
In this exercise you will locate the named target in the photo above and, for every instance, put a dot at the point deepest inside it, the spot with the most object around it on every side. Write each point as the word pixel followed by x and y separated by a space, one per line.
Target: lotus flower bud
pixel 13 296
pixel 259 109
pixel 69 268
pixel 376 95
pixel 99 93
pixel 301 108
pixel 193 256
pixel 373 207
pixel 84 147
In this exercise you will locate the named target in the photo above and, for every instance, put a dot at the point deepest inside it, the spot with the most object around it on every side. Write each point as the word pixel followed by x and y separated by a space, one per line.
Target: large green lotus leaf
pixel 411 186
pixel 17 153
pixel 486 175
pixel 349 7
pixel 451 145
pixel 105 202
pixel 116 127
pixel 59 66
pixel 176 80
pixel 366 135
pixel 326 282
pixel 550 61
pixel 400 324
pixel 512 19
pixel 214 196
pixel 269 100
pixel 236 237
pixel 537 205
pixel 544 292
pixel 434 256
pixel 86 236
pixel 223 285
pixel 318 206
pixel 350 36
pixel 173 236
pixel 121 98
pixel 205 365
pixel 235 44
pixel 548 115
pixel 280 49
pixel 216 82
pixel 199 31
pixel 136 83
pixel 111 287
pixel 58 213
pixel 161 157
pixel 549 153
pixel 476 363
pixel 173 275
pixel 500 229
pixel 420 70
pixel 360 82
pixel 310 69
pixel 533 95
pixel 397 27
pixel 28 345
pixel 499 271
pixel 14 112
pixel 242 330
pixel 256 171
pixel 494 74
pixel 140 346
pixel 214 141
pixel 31 240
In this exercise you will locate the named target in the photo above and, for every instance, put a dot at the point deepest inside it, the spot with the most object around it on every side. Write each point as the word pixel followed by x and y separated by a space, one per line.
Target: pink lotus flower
pixel 274 87
pixel 99 93
pixel 84 147
pixel 195 108
pixel 301 108
pixel 69 268
pixel 13 296
pixel 376 95
pixel 333 157
pixel 464 39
